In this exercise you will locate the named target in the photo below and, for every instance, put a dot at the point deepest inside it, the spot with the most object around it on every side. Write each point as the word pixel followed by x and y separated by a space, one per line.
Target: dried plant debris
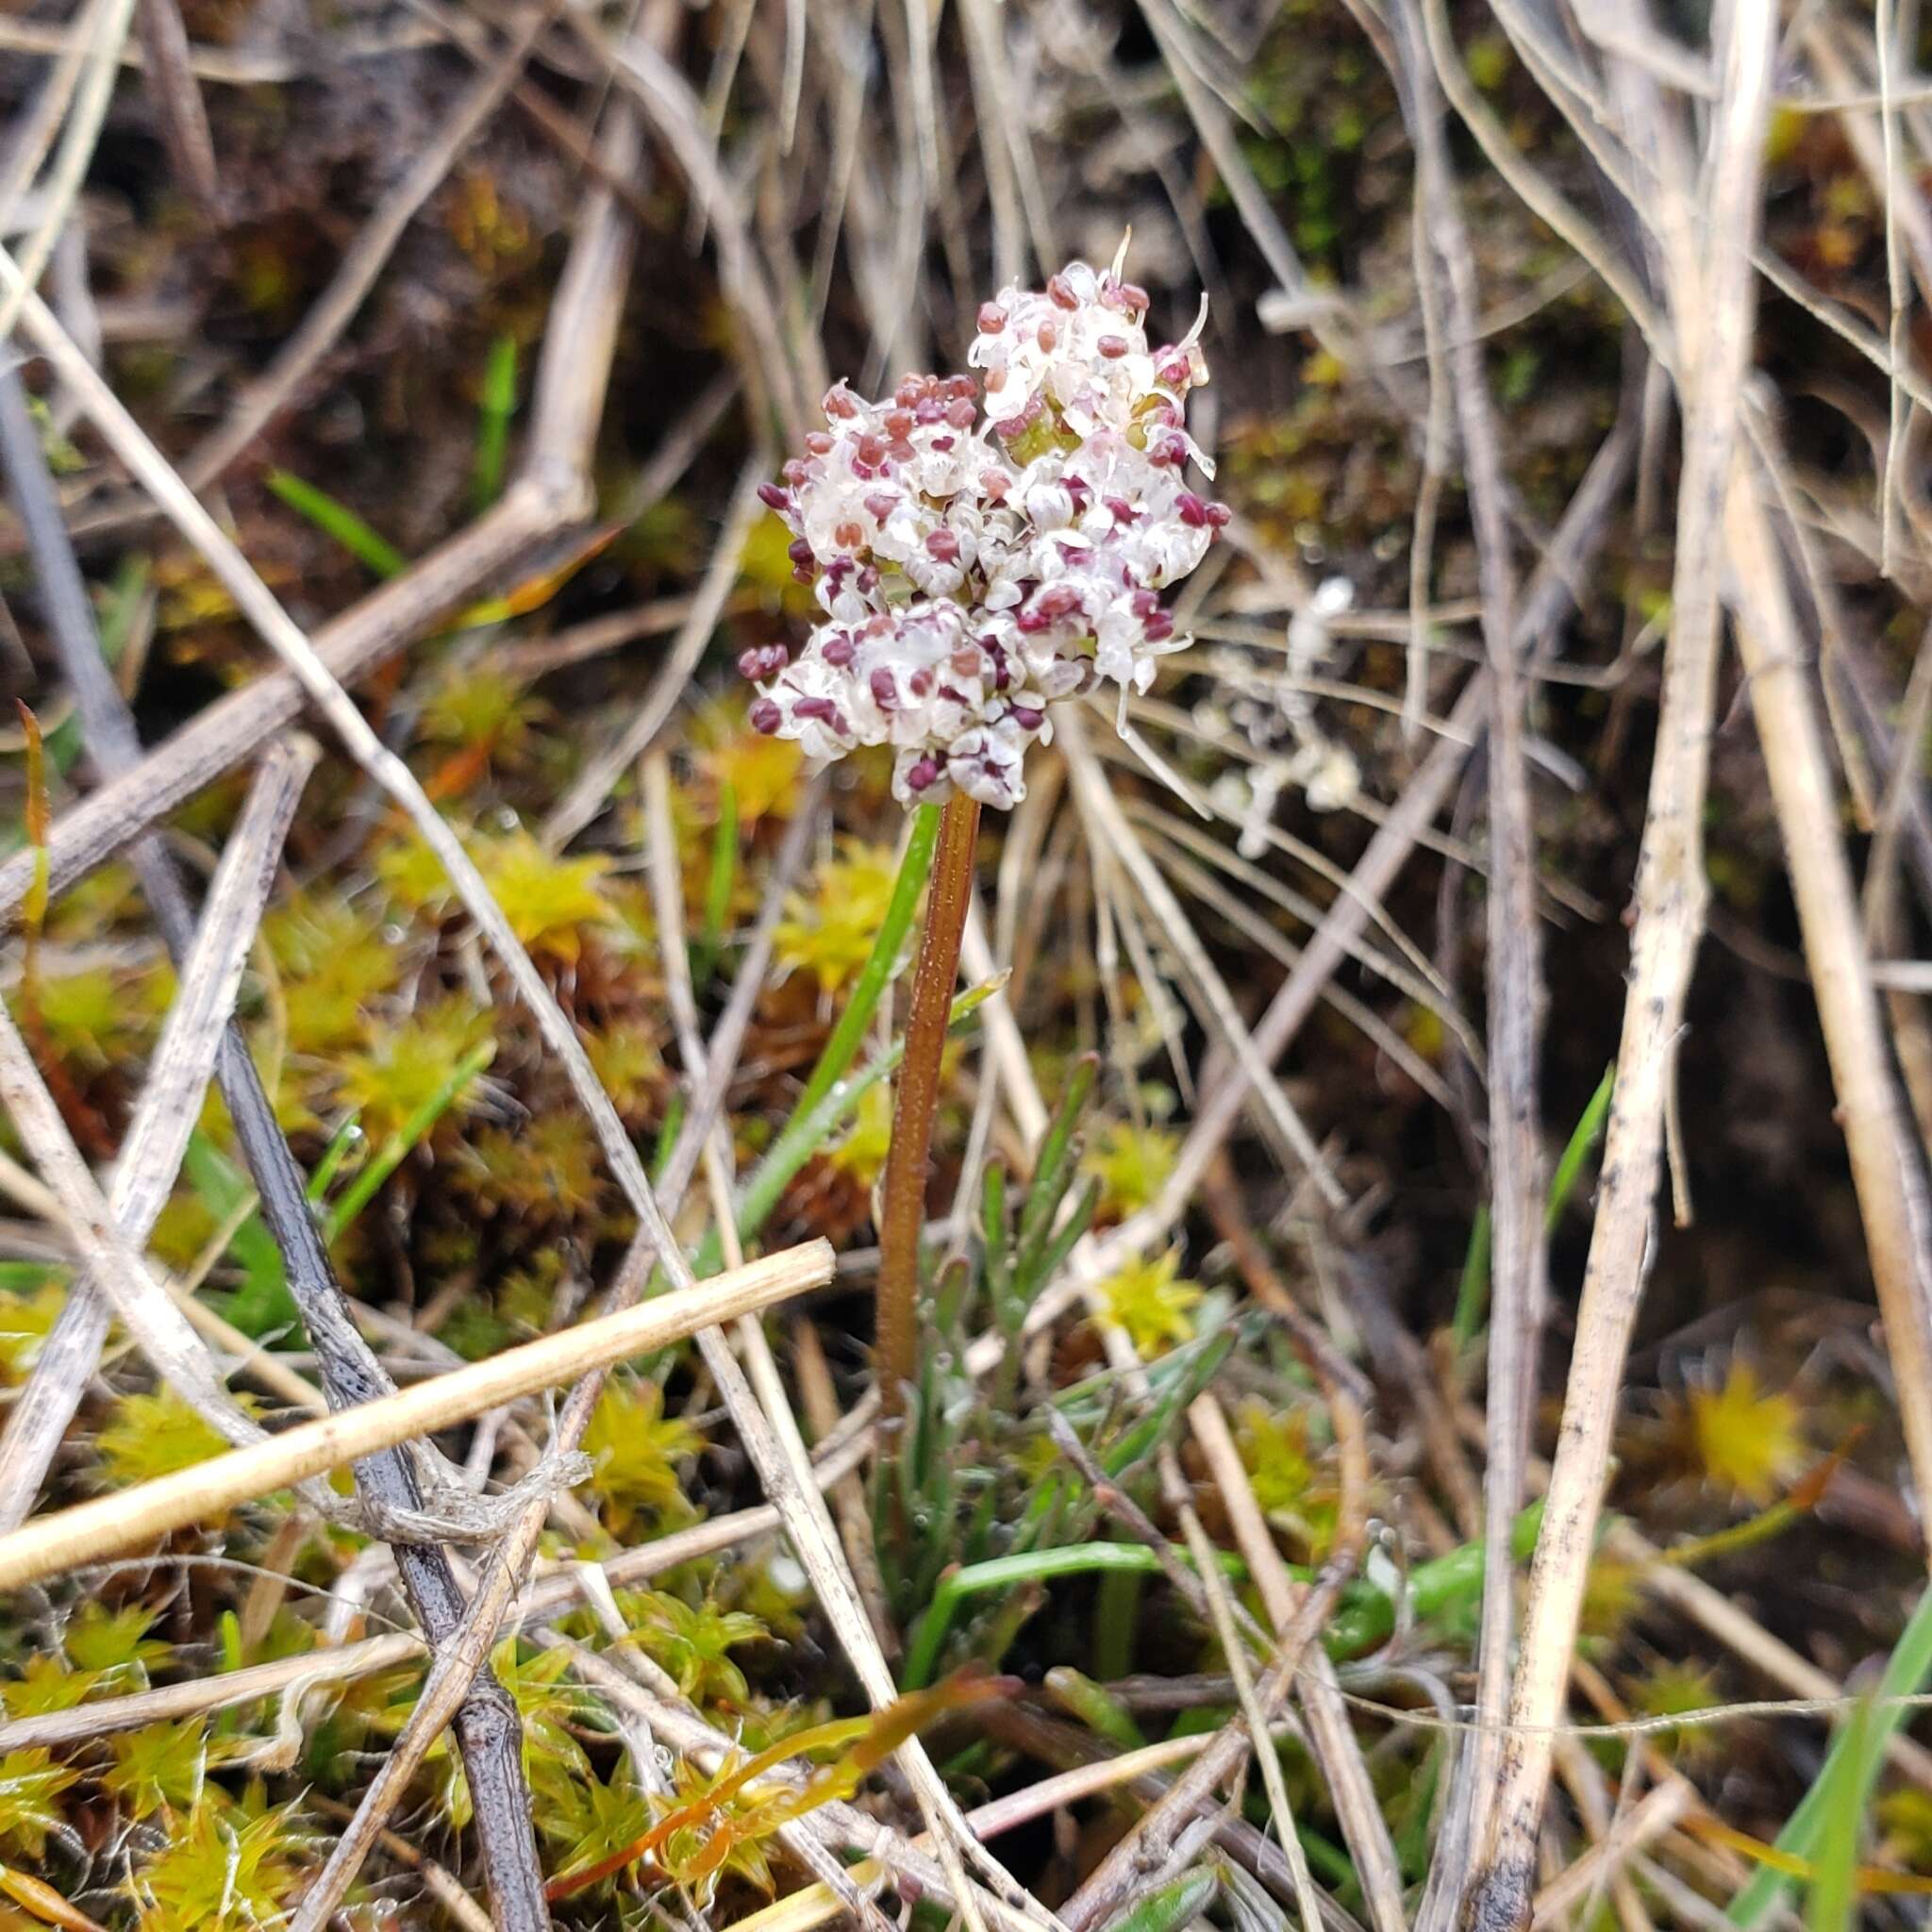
pixel 1186 1388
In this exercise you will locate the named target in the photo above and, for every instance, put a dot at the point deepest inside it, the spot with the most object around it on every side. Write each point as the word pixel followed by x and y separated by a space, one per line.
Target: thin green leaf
pixel 1860 1745
pixel 262 1305
pixel 1473 1291
pixel 342 1143
pixel 1055 1166
pixel 1833 1899
pixel 1007 1573
pixel 805 1133
pixel 1170 1907
pixel 338 521
pixel 413 1131
pixel 494 409
pixel 992 1222
pixel 723 866
pixel 881 963
pixel 1582 1143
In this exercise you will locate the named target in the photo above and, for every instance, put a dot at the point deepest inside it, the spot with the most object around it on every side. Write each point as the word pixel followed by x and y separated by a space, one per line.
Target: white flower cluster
pixel 974 565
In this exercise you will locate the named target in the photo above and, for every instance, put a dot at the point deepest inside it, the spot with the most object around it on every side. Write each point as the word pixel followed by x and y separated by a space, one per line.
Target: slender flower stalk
pixel 983 548
pixel 908 1159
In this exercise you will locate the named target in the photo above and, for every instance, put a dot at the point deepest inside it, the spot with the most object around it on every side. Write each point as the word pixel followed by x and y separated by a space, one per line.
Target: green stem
pixel 1003 1573
pixel 1366 1618
pixel 902 1212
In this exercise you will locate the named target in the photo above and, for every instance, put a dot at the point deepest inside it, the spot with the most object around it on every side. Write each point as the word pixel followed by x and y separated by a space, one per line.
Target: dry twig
pixel 1711 288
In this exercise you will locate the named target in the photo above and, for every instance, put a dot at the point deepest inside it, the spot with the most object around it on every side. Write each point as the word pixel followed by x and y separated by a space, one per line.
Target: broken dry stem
pixel 52 1544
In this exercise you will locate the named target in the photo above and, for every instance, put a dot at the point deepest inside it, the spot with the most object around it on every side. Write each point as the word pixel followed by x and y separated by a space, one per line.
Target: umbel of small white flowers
pixel 979 558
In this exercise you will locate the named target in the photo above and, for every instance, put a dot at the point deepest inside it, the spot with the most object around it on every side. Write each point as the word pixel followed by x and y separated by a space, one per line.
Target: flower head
pixel 1073 356
pixel 974 566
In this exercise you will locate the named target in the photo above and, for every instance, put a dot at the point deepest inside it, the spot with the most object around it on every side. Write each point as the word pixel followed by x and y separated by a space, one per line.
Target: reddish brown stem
pixel 908 1161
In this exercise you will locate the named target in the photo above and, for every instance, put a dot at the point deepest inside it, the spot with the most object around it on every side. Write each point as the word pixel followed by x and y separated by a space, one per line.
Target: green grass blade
pixel 1005 1573
pixel 805 1133
pixel 120 607
pixel 724 868
pixel 992 1227
pixel 342 1143
pixel 1473 1290
pixel 494 409
pixel 262 1304
pixel 1582 1143
pixel 717 885
pixel 1095 1706
pixel 667 1137
pixel 1473 1293
pixel 1860 1746
pixel 1055 1166
pixel 881 963
pixel 1168 1907
pixel 413 1132
pixel 338 521
pixel 1832 1900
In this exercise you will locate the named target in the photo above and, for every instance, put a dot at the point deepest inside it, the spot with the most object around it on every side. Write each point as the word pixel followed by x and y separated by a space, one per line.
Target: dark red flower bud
pixel 773 497
pixel 765 716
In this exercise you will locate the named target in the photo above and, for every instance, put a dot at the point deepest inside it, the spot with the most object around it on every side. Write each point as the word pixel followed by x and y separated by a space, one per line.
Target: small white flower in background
pixel 1307 630
pixel 1328 776
pixel 1277 715
pixel 974 565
